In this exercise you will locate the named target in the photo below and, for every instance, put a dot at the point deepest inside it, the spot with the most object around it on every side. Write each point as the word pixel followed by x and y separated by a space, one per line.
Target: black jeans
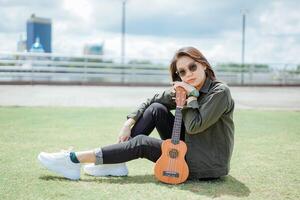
pixel 141 145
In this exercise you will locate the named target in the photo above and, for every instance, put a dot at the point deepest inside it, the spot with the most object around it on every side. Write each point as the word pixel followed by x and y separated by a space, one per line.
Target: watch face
pixel 194 93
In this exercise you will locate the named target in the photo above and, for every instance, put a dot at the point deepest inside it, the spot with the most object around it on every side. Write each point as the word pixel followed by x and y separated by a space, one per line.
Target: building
pixel 21 45
pixel 38 27
pixel 93 49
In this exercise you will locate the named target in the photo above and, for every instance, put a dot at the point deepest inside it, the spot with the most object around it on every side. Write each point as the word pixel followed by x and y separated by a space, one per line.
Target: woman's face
pixel 191 71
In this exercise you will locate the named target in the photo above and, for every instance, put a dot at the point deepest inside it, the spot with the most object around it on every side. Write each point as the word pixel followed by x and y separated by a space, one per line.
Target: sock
pixel 99 156
pixel 73 157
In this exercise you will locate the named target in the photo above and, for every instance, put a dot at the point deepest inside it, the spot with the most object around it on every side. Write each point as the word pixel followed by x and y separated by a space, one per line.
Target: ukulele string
pixel 174 139
pixel 176 133
pixel 175 127
pixel 177 130
pixel 179 120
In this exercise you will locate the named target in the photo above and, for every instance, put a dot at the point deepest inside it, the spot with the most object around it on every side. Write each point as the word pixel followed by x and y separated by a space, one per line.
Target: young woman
pixel 208 128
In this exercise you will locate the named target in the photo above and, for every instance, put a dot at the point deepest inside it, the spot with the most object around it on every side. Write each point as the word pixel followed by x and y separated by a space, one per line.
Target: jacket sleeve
pixel 164 98
pixel 199 116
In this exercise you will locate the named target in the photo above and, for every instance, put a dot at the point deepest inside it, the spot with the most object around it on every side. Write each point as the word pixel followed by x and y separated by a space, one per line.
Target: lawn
pixel 265 162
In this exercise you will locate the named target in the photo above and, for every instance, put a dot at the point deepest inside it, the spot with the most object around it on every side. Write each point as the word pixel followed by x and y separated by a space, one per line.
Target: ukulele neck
pixel 177 126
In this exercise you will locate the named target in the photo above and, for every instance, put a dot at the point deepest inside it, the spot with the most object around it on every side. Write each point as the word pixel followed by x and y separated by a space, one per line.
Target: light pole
pixel 243 45
pixel 123 38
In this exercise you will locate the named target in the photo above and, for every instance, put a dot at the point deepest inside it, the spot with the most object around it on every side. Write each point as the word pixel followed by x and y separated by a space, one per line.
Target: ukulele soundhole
pixel 173 153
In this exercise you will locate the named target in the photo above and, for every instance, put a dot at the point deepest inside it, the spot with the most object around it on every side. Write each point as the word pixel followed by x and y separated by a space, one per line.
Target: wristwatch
pixel 194 93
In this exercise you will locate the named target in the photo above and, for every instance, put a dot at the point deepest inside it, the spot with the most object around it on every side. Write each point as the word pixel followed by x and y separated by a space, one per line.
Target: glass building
pixel 38 27
pixel 93 49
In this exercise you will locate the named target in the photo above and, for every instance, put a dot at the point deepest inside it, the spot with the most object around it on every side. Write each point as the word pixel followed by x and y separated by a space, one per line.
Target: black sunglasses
pixel 192 67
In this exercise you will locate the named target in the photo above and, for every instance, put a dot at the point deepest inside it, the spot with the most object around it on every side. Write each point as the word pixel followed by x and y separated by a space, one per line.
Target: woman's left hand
pixel 188 88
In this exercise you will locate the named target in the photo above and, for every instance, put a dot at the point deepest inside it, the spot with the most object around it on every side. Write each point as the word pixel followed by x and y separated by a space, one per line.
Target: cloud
pixel 282 19
pixel 155 30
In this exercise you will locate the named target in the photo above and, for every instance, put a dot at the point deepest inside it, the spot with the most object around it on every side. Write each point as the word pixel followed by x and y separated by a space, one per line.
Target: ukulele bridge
pixel 170 174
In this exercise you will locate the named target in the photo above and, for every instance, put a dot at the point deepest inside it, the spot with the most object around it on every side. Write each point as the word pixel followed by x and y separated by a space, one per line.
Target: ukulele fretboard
pixel 177 126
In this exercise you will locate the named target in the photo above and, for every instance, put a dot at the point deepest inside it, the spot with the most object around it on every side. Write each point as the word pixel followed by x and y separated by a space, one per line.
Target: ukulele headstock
pixel 180 96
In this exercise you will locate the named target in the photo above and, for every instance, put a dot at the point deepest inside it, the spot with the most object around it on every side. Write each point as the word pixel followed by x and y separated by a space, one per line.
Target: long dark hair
pixel 196 55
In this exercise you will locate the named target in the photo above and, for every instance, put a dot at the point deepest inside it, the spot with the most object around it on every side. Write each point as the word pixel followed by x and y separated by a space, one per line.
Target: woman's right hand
pixel 125 131
pixel 124 134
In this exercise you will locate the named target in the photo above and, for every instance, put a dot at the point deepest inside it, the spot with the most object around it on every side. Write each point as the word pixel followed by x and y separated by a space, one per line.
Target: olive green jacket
pixel 209 128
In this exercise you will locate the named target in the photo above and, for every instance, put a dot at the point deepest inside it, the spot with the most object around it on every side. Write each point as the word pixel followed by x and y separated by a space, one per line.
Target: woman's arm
pixel 197 117
pixel 125 131
pixel 164 98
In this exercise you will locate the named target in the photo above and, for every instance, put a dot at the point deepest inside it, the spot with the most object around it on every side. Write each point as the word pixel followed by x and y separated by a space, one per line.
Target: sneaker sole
pixel 105 173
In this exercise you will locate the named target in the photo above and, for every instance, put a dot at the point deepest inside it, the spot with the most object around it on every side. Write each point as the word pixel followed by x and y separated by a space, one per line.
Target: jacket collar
pixel 206 85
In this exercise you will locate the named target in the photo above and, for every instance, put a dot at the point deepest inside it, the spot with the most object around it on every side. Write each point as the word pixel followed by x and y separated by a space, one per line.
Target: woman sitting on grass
pixel 208 128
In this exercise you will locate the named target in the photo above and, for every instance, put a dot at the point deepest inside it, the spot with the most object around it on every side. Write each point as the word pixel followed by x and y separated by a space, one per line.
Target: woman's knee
pixel 140 140
pixel 144 140
pixel 147 147
pixel 157 108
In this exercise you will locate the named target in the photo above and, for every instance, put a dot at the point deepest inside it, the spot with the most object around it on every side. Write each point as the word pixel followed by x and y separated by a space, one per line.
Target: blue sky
pixel 156 28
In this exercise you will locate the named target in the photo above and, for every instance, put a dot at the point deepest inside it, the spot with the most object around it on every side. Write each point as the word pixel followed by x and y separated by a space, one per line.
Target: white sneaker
pixel 60 163
pixel 119 169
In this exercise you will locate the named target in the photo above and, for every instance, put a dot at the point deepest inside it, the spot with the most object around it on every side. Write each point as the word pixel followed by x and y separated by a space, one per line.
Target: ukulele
pixel 171 167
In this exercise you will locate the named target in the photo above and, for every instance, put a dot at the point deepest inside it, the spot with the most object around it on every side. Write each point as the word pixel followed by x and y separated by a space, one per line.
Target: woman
pixel 208 128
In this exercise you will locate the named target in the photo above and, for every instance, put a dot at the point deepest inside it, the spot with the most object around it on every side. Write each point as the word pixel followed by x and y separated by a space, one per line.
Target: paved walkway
pixel 286 98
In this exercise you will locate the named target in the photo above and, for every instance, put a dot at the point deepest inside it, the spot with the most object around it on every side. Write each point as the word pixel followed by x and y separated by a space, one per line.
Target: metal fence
pixel 36 68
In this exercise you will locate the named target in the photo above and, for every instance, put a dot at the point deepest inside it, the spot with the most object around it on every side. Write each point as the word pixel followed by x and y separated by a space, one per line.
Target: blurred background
pixel 130 42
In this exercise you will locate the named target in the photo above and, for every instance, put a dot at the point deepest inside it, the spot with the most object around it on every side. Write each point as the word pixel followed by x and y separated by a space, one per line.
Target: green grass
pixel 265 163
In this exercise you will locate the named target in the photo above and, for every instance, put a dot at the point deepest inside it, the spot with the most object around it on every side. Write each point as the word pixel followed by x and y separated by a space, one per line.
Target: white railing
pixel 68 69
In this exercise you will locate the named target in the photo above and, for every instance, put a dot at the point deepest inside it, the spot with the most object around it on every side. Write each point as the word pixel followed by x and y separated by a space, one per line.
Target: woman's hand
pixel 125 131
pixel 124 134
pixel 188 88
